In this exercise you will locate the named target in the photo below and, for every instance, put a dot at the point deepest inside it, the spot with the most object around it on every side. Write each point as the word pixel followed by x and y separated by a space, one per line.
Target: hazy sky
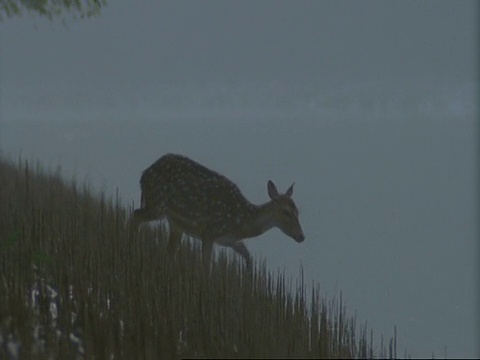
pixel 369 106
pixel 308 42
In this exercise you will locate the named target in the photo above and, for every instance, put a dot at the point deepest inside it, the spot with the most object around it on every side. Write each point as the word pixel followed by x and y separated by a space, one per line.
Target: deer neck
pixel 259 221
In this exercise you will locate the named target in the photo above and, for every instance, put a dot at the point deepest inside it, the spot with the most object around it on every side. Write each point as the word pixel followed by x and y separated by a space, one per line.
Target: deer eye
pixel 286 212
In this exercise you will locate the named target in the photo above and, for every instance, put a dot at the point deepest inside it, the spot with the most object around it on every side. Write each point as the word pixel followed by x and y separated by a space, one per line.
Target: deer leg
pixel 137 217
pixel 174 237
pixel 241 249
pixel 142 215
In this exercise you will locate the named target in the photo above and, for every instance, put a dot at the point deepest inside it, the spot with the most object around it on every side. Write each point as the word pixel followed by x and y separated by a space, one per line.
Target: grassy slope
pixel 75 282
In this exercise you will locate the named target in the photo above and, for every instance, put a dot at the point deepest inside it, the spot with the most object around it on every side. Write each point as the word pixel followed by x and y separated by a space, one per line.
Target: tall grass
pixel 77 282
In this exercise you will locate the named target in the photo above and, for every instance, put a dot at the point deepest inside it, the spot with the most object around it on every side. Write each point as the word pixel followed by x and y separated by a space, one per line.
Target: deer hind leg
pixel 174 237
pixel 142 215
pixel 146 214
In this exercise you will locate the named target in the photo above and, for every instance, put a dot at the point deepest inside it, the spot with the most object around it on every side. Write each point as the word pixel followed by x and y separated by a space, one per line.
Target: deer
pixel 205 205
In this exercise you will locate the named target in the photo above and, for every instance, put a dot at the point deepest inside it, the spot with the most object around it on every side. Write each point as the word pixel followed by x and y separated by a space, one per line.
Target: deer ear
pixel 272 190
pixel 289 192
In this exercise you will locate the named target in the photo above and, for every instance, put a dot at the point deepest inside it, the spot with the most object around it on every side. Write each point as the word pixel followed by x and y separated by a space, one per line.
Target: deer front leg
pixel 174 237
pixel 241 249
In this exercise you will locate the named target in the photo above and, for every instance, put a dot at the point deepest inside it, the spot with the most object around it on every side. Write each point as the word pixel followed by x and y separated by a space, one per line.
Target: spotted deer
pixel 203 204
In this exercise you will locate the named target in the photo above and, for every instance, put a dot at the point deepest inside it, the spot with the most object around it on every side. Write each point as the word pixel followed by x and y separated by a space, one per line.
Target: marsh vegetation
pixel 75 282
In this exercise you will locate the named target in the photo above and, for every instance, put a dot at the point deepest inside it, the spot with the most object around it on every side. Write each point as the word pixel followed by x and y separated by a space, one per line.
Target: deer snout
pixel 299 238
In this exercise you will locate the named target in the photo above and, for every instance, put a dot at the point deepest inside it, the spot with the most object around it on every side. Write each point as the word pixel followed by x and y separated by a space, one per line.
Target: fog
pixel 369 107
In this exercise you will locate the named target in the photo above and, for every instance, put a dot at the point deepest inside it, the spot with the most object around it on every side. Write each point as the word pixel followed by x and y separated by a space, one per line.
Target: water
pixel 385 182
